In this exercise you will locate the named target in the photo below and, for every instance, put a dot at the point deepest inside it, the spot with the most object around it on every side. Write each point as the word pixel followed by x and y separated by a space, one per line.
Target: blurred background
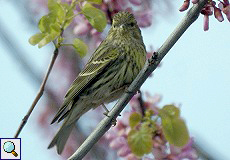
pixel 194 75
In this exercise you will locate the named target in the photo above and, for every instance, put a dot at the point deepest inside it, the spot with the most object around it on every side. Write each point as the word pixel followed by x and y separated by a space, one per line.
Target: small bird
pixel 110 70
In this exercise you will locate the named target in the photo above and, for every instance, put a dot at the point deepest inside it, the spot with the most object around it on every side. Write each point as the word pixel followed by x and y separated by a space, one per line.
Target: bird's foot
pixel 106 110
pixel 114 122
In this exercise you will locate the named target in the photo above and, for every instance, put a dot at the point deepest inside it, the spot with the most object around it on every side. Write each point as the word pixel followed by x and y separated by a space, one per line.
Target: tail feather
pixel 63 133
pixel 61 137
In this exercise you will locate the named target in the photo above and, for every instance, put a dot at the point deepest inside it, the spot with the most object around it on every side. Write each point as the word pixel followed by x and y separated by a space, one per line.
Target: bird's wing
pixel 97 63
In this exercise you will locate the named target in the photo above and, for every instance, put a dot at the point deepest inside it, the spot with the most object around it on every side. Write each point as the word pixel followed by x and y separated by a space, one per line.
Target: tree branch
pixel 149 67
pixel 39 94
pixel 141 104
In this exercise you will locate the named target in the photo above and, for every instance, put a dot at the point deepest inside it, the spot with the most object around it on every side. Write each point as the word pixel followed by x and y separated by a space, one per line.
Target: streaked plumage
pixel 110 70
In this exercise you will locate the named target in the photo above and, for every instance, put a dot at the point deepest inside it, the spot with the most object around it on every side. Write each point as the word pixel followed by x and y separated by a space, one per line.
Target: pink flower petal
pixel 206 22
pixel 118 143
pixel 218 15
pixel 184 6
pixel 135 2
pixel 144 18
pixel 158 154
pixel 111 135
pixel 195 1
pixel 131 157
pixel 226 11
pixel 81 29
pixel 125 118
pixel 123 151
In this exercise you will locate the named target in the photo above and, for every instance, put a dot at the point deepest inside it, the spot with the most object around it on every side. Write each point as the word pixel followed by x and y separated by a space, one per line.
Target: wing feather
pixel 99 61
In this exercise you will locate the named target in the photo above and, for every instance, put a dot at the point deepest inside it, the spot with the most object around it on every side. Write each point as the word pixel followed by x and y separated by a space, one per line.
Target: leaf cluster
pixel 60 16
pixel 143 129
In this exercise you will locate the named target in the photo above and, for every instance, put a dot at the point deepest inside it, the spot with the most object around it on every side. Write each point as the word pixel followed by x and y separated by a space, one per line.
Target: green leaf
pixel 174 128
pixel 95 1
pixel 55 6
pixel 66 6
pixel 171 110
pixel 134 119
pixel 60 40
pixel 80 47
pixel 68 14
pixel 63 11
pixel 95 16
pixel 52 4
pixel 47 39
pixel 35 39
pixel 60 12
pixel 55 27
pixel 68 21
pixel 45 22
pixel 140 142
pixel 69 11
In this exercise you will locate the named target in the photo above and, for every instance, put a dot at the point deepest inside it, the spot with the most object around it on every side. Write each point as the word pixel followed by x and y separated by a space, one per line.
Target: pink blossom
pixel 161 149
pixel 125 118
pixel 195 1
pixel 117 143
pixel 81 29
pixel 136 2
pixel 144 18
pixel 119 125
pixel 218 14
pixel 131 156
pixel 110 135
pixel 94 32
pixel 158 154
pixel 206 22
pixel 135 104
pixel 226 10
pixel 153 100
pixel 186 152
pixel 184 6
pixel 208 9
pixel 124 151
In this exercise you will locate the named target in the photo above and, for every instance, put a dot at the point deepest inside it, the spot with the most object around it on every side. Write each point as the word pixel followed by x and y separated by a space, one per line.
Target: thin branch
pixel 149 67
pixel 141 104
pixel 39 94
pixel 18 55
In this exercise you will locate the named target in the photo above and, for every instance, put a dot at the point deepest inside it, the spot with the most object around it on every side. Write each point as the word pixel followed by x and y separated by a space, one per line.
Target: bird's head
pixel 124 24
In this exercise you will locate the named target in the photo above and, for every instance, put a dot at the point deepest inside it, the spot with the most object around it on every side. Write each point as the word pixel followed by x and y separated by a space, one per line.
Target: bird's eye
pixel 132 24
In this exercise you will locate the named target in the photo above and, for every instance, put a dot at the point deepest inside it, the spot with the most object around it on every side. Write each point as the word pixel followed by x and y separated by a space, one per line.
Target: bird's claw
pixel 106 114
pixel 114 122
pixel 154 58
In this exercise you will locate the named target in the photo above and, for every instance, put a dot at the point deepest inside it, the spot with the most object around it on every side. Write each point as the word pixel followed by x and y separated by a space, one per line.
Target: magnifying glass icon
pixel 9 147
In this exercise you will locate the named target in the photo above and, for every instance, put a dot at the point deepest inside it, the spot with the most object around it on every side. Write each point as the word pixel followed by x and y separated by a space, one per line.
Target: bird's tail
pixel 70 120
pixel 61 136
